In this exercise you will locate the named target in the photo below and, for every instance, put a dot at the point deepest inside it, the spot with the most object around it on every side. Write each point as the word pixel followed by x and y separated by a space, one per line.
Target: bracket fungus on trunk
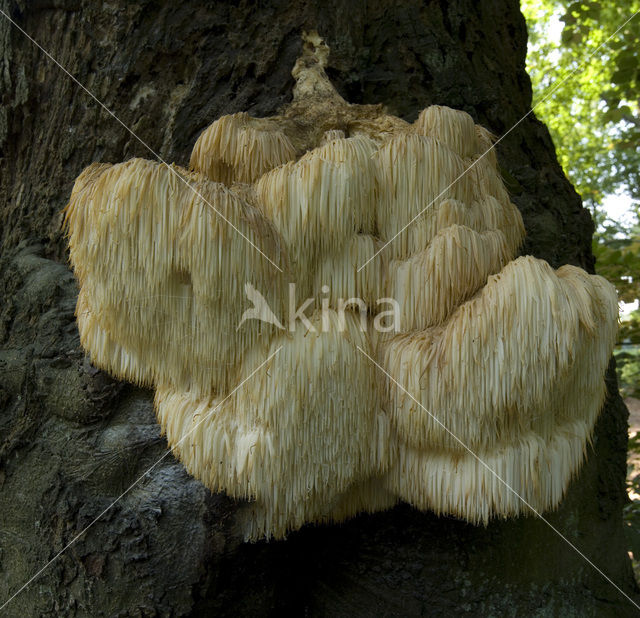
pixel 493 359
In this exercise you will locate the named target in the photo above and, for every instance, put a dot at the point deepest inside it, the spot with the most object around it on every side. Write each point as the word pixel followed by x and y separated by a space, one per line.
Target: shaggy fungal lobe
pixel 433 282
pixel 339 270
pixel 417 174
pixel 488 359
pixel 294 443
pixel 319 202
pixel 517 353
pixel 151 253
pixel 484 144
pixel 238 148
pixel 450 127
pixel 538 470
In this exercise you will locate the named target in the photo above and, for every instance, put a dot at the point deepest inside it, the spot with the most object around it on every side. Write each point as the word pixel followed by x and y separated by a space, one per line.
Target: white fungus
pixel 493 359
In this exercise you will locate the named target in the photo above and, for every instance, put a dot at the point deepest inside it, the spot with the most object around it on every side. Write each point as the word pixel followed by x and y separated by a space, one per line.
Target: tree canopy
pixel 584 63
pixel 585 84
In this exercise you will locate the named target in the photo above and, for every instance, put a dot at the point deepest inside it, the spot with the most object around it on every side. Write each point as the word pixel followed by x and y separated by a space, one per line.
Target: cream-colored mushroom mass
pixel 482 393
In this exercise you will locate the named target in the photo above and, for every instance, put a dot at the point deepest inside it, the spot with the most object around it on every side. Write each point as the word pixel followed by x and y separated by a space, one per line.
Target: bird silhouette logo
pixel 260 310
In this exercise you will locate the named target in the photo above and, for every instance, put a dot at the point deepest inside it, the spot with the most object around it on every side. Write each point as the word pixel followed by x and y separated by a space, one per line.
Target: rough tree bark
pixel 72 439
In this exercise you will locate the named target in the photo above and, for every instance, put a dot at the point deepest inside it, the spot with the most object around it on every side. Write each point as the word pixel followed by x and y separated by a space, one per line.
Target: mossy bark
pixel 72 439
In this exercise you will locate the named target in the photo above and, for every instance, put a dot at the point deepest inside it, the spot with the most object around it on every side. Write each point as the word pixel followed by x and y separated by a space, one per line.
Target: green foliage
pixel 586 89
pixel 630 329
pixel 628 356
pixel 617 250
pixel 586 85
pixel 628 362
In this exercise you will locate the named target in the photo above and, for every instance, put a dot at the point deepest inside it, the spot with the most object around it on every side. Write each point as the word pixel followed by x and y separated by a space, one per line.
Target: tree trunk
pixel 72 439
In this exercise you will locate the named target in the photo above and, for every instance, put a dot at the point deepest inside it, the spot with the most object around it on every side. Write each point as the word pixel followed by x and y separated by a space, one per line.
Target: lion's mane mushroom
pixel 507 354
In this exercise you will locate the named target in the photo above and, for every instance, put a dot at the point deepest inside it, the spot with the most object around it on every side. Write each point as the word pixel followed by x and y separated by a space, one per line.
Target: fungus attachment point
pixel 492 369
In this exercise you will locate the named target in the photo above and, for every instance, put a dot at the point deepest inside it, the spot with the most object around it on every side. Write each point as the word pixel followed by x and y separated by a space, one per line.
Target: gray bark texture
pixel 72 439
